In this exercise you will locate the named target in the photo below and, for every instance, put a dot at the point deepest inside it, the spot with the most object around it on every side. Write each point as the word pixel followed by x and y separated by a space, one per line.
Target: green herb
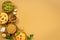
pixel 9 37
pixel 17 32
pixel 30 37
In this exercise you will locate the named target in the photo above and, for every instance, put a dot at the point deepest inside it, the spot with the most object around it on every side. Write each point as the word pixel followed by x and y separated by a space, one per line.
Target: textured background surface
pixel 40 17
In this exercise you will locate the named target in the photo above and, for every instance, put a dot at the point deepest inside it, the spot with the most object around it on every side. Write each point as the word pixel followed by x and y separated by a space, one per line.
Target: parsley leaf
pixel 30 37
pixel 9 37
pixel 17 32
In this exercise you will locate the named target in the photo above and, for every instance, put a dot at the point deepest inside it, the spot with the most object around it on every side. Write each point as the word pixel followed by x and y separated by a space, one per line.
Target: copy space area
pixel 40 17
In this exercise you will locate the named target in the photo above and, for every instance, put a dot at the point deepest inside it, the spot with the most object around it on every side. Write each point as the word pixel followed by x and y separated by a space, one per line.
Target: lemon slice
pixel 21 36
pixel 3 18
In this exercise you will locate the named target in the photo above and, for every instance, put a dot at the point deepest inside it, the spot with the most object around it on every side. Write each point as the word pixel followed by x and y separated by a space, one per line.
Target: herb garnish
pixel 30 37
pixel 9 37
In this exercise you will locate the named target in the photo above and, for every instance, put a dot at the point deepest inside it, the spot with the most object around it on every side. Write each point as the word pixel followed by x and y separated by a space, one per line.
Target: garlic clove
pixel 3 35
pixel 2 29
pixel 14 12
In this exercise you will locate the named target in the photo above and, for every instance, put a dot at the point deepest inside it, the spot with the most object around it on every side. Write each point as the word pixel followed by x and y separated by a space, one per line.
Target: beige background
pixel 40 17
